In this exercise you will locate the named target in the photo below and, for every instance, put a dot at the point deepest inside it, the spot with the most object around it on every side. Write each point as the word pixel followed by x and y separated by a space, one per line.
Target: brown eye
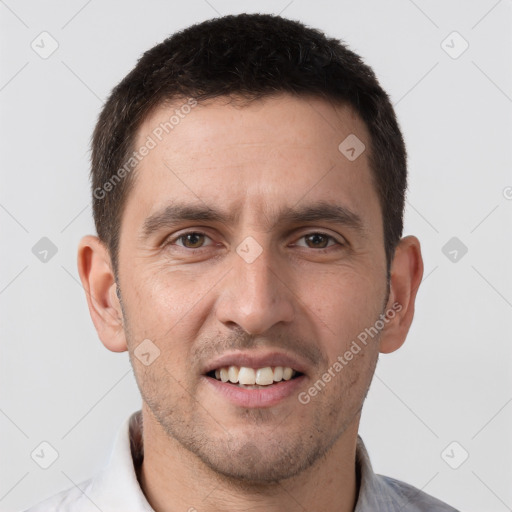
pixel 192 240
pixel 317 240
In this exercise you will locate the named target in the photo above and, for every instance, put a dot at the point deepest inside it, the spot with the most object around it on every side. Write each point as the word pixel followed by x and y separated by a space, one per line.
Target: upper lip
pixel 255 360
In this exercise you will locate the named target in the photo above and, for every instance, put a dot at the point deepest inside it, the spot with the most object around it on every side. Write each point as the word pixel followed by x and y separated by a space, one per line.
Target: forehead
pixel 270 153
pixel 307 122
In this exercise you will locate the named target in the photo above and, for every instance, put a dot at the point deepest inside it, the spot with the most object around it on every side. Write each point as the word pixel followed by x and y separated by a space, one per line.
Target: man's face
pixel 259 288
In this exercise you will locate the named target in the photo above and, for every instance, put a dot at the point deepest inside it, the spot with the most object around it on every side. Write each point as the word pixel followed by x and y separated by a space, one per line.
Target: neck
pixel 172 478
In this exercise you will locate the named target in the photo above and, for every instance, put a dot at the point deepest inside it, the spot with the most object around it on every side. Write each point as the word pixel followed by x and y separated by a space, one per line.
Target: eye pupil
pixel 316 237
pixel 190 237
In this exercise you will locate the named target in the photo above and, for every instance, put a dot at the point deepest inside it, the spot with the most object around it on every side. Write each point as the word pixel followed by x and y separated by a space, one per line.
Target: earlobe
pixel 95 270
pixel 406 275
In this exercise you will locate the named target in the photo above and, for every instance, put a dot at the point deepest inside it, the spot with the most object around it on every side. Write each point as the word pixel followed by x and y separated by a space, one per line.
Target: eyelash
pixel 323 250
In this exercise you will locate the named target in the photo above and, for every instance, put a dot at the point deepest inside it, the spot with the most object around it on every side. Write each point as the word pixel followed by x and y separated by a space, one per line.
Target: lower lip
pixel 263 397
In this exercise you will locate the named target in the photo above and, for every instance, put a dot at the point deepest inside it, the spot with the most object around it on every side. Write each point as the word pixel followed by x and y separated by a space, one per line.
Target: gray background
pixel 451 381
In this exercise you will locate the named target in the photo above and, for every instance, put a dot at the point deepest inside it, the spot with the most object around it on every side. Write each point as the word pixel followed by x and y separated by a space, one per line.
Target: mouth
pixel 254 378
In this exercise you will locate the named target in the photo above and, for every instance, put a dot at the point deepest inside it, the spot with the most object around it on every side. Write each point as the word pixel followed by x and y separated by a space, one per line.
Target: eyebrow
pixel 320 211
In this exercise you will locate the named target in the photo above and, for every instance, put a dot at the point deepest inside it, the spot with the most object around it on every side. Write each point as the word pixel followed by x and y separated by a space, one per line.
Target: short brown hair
pixel 249 56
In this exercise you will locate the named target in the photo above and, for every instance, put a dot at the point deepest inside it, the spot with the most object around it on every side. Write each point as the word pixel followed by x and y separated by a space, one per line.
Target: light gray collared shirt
pixel 116 488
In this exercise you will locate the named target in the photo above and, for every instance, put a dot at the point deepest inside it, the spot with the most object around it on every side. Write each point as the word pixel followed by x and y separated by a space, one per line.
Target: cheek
pixel 163 297
pixel 346 301
pixel 169 307
pixel 347 305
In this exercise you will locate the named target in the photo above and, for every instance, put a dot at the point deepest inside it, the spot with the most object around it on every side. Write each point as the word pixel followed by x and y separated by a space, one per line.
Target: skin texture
pixel 197 298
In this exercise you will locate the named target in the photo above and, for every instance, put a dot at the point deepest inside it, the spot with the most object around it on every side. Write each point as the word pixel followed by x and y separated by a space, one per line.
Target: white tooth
pixel 246 376
pixel 217 374
pixel 224 374
pixel 287 373
pixel 264 376
pixel 278 373
pixel 233 374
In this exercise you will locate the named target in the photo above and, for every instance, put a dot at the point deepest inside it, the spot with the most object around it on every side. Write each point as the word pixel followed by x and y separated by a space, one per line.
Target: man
pixel 248 185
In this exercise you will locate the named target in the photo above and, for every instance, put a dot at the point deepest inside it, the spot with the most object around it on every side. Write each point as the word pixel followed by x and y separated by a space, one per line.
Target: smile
pixel 253 378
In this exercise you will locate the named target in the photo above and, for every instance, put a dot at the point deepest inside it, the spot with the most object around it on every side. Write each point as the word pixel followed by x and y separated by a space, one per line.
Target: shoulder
pixel 385 494
pixel 70 500
pixel 114 488
pixel 411 499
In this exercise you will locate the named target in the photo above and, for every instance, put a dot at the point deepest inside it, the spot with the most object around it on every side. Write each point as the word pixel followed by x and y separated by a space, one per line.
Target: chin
pixel 254 464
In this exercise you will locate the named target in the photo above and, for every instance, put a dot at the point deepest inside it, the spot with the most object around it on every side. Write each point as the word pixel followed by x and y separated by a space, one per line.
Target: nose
pixel 256 295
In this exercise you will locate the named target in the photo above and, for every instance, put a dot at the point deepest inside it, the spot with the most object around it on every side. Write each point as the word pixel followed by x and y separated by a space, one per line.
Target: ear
pixel 406 274
pixel 95 269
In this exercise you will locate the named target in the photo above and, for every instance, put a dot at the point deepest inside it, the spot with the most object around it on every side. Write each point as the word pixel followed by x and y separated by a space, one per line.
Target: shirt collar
pixel 116 487
pixel 374 494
